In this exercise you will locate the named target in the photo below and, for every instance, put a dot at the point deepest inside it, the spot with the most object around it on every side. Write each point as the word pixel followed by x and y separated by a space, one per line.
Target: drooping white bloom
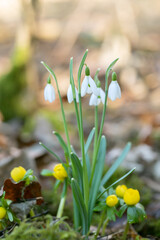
pixel 114 91
pixel 88 86
pixel 70 94
pixel 97 98
pixel 49 93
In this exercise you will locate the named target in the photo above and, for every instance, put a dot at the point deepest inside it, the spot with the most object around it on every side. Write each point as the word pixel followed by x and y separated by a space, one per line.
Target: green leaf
pixel 62 142
pixel 49 69
pixel 140 211
pixel 116 164
pixel 132 216
pixel 110 67
pixel 122 210
pixel 81 205
pixel 77 170
pixel 120 179
pixel 89 140
pixel 111 214
pixel 100 207
pixel 46 173
pixel 97 176
pixel 88 166
pixel 10 216
pixel 27 174
pixel 50 151
pixel 81 65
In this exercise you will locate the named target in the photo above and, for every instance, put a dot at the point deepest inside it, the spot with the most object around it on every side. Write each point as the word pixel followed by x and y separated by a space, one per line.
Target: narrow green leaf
pixel 89 140
pixel 116 164
pixel 120 179
pixel 46 173
pixel 10 216
pixel 88 166
pixel 81 66
pixel 62 142
pixel 122 210
pixel 97 175
pixel 110 67
pixel 49 69
pixel 50 151
pixel 77 218
pixel 81 205
pixel 77 170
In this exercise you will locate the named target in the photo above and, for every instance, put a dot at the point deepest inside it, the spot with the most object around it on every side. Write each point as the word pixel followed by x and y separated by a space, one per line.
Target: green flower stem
pixel 100 223
pixel 85 174
pixel 96 134
pixel 62 108
pixel 63 199
pixel 126 231
pixel 74 95
pixel 104 226
pixel 103 115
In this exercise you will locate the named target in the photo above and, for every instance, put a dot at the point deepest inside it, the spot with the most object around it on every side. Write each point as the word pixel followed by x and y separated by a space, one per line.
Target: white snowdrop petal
pixel 84 86
pixel 112 91
pixel 70 94
pixel 52 93
pixel 49 93
pixel 102 95
pixel 89 90
pixel 93 86
pixel 77 98
pixel 118 91
pixel 98 101
pixel 45 94
pixel 93 100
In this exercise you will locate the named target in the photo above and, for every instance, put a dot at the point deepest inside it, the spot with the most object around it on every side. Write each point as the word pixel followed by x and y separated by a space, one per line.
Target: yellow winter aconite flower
pixel 120 190
pixel 111 200
pixel 2 212
pixel 131 196
pixel 18 173
pixel 59 172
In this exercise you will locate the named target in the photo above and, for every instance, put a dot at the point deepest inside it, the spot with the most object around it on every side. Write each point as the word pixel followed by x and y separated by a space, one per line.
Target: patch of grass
pixel 43 228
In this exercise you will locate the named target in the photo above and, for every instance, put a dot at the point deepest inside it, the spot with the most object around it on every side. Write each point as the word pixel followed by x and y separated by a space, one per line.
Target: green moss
pixel 149 227
pixel 43 228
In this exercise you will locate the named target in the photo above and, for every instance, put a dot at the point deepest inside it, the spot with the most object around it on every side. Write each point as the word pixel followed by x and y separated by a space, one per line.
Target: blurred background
pixel 54 31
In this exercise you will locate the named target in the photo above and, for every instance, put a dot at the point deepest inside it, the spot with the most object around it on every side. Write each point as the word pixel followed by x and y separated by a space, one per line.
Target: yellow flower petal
pixel 111 200
pixel 59 172
pixel 2 212
pixel 131 196
pixel 18 173
pixel 120 190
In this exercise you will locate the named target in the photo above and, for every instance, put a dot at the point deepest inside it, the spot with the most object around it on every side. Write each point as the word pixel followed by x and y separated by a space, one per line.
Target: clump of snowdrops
pixel 84 174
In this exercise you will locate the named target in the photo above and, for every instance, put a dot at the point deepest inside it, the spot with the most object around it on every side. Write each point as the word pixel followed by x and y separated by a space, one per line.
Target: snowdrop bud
pixel 49 93
pixel 114 76
pixel 87 71
pixel 114 90
pixel 70 94
pixel 88 84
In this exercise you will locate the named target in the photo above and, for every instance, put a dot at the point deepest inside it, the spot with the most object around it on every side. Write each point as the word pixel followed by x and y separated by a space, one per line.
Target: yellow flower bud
pixel 131 196
pixel 59 172
pixel 2 212
pixel 120 190
pixel 18 173
pixel 111 200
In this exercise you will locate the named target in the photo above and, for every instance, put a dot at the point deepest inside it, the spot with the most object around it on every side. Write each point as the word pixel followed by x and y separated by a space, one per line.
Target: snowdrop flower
pixel 49 93
pixel 114 90
pixel 88 84
pixel 95 100
pixel 70 94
